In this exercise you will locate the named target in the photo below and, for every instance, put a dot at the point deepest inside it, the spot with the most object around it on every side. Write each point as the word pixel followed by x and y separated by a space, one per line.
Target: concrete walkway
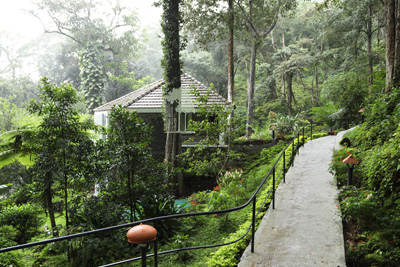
pixel 305 229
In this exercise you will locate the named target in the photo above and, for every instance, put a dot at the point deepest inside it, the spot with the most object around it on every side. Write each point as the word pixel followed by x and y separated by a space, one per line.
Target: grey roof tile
pixel 150 96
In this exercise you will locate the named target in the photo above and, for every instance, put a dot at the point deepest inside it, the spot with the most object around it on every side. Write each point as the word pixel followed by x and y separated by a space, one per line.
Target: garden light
pixel 143 234
pixel 350 161
pixel 273 128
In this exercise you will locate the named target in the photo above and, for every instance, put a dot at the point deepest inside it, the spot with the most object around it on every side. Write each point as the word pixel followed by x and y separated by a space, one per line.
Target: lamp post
pixel 143 234
pixel 350 161
pixel 273 128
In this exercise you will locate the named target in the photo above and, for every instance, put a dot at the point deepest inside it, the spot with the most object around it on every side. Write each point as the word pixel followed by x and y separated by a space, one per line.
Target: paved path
pixel 305 229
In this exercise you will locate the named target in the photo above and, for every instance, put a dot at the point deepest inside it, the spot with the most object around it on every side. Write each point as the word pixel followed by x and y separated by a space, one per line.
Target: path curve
pixel 305 229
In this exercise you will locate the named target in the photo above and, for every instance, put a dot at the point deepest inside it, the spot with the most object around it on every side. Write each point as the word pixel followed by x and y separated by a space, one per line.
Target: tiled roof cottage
pixel 148 103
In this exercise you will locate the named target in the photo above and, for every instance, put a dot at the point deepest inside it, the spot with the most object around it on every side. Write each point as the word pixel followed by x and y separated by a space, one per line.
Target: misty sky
pixel 14 20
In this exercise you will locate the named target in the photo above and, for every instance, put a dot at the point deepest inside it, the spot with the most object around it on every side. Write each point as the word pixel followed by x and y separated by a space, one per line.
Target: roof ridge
pixel 206 87
pixel 155 86
pixel 139 96
pixel 115 100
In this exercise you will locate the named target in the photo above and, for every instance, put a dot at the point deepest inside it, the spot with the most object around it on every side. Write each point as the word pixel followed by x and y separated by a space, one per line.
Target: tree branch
pixel 248 19
pixel 274 22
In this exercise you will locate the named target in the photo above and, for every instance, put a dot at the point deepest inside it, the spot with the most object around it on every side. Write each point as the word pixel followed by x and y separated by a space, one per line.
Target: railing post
pixel 155 254
pixel 284 166
pixel 298 143
pixel 303 138
pixel 311 130
pixel 143 249
pixel 273 188
pixel 253 224
pixel 292 154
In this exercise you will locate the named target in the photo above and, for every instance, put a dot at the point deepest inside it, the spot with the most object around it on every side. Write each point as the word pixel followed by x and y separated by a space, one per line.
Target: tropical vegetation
pixel 282 64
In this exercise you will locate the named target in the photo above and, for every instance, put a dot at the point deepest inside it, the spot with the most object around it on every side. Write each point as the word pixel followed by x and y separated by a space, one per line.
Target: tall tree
pixel 231 66
pixel 257 16
pixel 209 21
pixel 83 23
pixel 171 22
pixel 56 142
pixel 127 153
pixel 392 12
pixel 366 18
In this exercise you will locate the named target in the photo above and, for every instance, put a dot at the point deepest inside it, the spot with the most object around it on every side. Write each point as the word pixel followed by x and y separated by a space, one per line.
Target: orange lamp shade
pixel 351 160
pixel 141 234
pixel 273 127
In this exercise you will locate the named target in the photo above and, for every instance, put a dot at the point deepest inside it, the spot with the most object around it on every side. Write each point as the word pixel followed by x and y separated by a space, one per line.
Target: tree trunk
pixel 369 46
pixel 289 79
pixel 250 90
pixel 283 89
pixel 130 193
pixel 66 202
pixel 255 36
pixel 172 147
pixel 316 83
pixel 231 79
pixel 65 181
pixel 172 75
pixel 392 11
pixel 231 67
pixel 49 202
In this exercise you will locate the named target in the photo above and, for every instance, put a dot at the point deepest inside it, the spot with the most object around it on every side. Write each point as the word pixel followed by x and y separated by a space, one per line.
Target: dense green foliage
pixel 321 61
pixel 7 237
pixel 95 213
pixel 24 218
pixel 91 75
pixel 129 170
pixel 60 145
pixel 213 153
pixel 370 206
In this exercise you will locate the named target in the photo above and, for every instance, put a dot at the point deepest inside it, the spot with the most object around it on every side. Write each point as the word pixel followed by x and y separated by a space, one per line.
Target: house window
pixel 184 119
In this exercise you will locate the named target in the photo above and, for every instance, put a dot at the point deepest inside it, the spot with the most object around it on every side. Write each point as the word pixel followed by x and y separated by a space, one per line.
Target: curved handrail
pixel 251 199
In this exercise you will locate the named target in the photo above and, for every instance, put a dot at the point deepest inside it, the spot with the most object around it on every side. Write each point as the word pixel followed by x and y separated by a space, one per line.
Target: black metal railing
pixel 293 145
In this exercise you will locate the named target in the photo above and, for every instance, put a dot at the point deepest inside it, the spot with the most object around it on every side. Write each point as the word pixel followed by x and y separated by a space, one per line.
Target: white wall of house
pixel 101 118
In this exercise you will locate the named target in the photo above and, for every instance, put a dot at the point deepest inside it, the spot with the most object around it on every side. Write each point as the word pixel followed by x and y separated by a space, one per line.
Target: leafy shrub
pixel 100 248
pixel 382 120
pixel 288 125
pixel 359 205
pixel 7 236
pixel 319 135
pixel 370 212
pixel 24 218
pixel 21 195
pixel 262 133
pixel 151 206
pixel 233 183
pixel 375 249
pixel 96 212
pixel 345 90
pixel 326 112
pixel 345 142
pixel 382 167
